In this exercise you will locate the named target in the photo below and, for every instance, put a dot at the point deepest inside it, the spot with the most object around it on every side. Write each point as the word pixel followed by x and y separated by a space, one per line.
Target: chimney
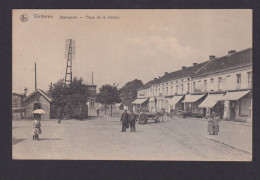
pixel 25 91
pixel 231 52
pixel 194 64
pixel 183 67
pixel 166 73
pixel 212 57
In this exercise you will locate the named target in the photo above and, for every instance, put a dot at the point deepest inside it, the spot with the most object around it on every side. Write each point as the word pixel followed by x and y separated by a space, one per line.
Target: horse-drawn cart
pixel 143 117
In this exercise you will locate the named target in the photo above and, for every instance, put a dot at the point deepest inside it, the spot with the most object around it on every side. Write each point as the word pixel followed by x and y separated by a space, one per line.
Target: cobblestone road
pixel 100 139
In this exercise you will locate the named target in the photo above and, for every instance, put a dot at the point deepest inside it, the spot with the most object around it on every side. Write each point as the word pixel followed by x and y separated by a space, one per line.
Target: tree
pixel 108 94
pixel 128 92
pixel 71 99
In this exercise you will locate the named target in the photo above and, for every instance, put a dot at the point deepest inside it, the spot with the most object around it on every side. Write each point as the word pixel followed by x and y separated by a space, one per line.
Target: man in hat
pixel 124 119
pixel 132 119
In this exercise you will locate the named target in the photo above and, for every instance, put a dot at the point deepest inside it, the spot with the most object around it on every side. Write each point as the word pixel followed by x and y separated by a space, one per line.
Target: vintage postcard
pixel 163 85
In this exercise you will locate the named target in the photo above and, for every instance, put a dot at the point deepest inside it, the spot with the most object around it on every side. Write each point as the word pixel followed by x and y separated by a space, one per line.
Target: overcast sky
pixel 141 44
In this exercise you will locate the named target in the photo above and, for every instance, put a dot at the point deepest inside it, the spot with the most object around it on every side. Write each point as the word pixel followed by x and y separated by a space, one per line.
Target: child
pixel 36 128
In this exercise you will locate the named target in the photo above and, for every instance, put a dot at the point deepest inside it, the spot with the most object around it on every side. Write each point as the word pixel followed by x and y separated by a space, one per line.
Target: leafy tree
pixel 128 92
pixel 108 94
pixel 70 99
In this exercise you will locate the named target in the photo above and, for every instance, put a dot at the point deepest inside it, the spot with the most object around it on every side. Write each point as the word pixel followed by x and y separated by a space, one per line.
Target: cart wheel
pixel 142 118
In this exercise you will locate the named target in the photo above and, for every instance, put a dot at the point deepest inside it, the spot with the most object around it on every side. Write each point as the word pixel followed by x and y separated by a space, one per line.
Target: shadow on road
pixel 16 141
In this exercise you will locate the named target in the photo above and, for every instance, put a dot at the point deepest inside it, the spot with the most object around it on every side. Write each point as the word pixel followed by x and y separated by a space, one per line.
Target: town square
pixel 144 85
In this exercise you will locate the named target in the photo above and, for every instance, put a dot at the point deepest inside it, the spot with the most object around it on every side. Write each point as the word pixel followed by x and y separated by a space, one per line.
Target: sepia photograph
pixel 132 84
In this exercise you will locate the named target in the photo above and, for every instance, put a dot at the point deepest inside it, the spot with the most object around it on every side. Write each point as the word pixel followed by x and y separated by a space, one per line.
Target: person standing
pixel 132 119
pixel 60 114
pixel 36 127
pixel 97 111
pixel 216 120
pixel 124 120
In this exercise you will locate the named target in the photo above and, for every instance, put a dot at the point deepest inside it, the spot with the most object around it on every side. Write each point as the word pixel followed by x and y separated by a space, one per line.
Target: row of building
pixel 223 85
pixel 23 105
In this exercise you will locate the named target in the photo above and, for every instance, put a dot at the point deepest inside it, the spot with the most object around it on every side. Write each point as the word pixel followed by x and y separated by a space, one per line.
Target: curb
pixel 229 145
pixel 222 121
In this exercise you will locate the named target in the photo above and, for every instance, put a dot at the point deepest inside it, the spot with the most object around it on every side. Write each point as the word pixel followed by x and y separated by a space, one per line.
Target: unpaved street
pixel 100 139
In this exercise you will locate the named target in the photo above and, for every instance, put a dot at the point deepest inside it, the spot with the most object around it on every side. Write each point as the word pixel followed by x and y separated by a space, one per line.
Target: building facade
pixel 18 107
pixel 219 84
pixel 38 100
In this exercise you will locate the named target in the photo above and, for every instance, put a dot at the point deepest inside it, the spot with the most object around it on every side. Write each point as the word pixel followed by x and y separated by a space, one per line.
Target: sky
pixel 135 44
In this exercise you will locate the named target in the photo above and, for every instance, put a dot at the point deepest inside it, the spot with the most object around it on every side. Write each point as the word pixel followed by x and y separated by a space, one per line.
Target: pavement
pixel 234 134
pixel 99 138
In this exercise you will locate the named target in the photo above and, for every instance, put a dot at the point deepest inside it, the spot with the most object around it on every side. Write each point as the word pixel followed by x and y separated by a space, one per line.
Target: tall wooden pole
pixel 92 77
pixel 35 77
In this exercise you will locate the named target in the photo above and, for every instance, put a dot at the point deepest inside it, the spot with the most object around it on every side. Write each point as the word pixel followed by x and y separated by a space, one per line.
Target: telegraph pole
pixel 92 77
pixel 35 76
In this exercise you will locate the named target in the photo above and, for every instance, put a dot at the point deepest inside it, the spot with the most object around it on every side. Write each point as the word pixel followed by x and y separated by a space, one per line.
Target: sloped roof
pixel 41 92
pixel 150 83
pixel 189 71
pixel 236 60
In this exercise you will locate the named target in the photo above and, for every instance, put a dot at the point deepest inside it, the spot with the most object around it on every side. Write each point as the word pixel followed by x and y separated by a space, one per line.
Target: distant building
pixel 92 103
pixel 18 106
pixel 38 100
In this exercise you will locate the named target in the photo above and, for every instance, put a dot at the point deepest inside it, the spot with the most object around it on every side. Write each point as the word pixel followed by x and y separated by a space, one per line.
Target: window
pixel 182 88
pixel 171 90
pixel 194 86
pixel 205 85
pixel 176 89
pixel 92 103
pixel 166 91
pixel 188 87
pixel 219 83
pixel 249 79
pixel 238 81
pixel 212 84
pixel 162 91
pixel 199 85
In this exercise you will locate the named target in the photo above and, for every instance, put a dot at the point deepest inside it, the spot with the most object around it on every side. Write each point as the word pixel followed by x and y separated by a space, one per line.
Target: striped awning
pixel 234 96
pixel 211 100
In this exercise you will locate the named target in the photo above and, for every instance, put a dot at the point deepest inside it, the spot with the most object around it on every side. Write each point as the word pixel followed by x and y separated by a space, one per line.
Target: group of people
pixel 128 119
pixel 213 126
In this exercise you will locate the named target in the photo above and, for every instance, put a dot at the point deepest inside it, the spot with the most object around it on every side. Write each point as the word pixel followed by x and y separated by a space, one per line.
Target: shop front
pixel 191 103
pixel 238 106
pixel 140 105
pixel 213 102
pixel 176 104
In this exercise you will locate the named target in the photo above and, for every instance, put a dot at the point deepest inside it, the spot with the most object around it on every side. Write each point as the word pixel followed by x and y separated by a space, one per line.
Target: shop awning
pixel 211 100
pixel 234 96
pixel 139 101
pixel 192 98
pixel 175 100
